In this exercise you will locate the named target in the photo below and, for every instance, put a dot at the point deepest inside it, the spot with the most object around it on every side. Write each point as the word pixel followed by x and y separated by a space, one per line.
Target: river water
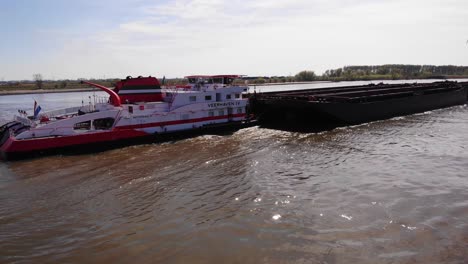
pixel 392 191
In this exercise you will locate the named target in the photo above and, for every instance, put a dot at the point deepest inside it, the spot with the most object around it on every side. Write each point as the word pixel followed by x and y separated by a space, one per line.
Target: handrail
pixel 115 99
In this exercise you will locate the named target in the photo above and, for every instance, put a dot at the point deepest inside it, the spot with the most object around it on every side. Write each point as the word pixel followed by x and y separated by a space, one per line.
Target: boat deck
pixel 365 93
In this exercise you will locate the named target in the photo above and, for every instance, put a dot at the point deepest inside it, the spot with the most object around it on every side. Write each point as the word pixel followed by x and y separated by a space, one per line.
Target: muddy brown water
pixel 392 191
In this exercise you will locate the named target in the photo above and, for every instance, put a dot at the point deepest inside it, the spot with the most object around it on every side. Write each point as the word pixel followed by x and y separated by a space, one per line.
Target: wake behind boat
pixel 136 108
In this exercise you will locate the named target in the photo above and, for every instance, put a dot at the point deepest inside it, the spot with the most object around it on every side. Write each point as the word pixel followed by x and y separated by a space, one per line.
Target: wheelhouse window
pixel 228 96
pixel 237 96
pixel 86 125
pixel 218 80
pixel 228 80
pixel 208 98
pixel 103 123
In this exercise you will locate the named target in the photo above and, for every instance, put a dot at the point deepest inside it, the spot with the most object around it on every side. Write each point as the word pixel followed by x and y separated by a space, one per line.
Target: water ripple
pixel 392 190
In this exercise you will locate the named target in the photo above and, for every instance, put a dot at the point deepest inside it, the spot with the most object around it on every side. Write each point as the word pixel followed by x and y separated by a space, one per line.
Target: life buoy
pixel 44 119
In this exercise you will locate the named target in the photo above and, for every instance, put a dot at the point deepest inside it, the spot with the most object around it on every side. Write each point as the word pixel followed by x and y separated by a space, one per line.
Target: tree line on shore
pixel 380 72
pixel 347 73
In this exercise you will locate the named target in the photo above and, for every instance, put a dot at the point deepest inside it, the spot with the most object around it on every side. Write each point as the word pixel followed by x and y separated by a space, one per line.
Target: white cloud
pixel 271 38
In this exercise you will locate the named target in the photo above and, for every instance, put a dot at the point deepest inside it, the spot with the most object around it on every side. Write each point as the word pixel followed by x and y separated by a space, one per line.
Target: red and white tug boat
pixel 136 108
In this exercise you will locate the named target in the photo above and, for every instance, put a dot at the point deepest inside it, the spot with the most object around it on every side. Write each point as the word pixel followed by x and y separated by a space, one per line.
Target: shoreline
pixel 287 83
pixel 91 89
pixel 42 91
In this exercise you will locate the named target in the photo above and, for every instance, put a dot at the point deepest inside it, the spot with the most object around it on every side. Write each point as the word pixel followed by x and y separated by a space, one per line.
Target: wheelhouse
pixel 223 80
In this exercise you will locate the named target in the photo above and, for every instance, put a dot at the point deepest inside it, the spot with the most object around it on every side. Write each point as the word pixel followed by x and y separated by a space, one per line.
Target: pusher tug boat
pixel 137 108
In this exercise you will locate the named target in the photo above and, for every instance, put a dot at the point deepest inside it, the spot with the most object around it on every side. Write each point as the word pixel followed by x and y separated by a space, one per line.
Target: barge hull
pixel 305 109
pixel 349 113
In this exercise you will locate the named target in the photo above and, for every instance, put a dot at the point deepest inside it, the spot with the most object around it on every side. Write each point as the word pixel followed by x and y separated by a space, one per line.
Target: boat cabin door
pixel 230 113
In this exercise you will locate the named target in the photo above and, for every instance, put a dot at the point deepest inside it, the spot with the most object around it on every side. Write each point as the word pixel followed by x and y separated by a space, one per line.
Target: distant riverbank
pixel 90 89
pixel 270 86
pixel 42 91
pixel 286 83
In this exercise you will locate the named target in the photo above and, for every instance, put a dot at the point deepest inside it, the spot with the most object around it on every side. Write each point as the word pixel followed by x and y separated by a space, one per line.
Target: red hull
pixel 18 147
pixel 13 146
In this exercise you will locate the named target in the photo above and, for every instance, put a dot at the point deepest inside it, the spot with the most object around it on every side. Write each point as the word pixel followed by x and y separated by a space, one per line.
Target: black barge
pixel 331 107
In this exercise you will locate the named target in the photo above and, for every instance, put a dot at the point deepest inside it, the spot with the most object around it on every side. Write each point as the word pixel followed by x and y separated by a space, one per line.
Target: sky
pixel 63 39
